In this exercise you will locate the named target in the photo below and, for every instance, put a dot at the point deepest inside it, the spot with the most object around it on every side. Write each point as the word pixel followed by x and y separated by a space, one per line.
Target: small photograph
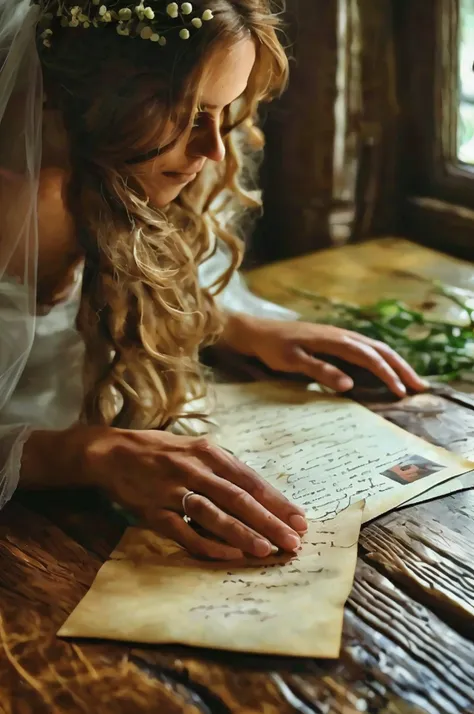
pixel 412 469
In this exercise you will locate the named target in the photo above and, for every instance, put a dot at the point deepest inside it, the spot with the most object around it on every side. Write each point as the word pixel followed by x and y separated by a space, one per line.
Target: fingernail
pixel 344 384
pixel 274 550
pixel 298 523
pixel 291 542
pixel 263 548
pixel 401 387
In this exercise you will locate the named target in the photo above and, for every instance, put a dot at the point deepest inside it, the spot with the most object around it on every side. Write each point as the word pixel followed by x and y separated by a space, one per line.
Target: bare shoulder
pixel 56 231
pixel 52 197
pixel 16 198
pixel 58 249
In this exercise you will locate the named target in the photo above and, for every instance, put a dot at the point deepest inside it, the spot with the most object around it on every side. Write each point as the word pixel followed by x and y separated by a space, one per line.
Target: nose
pixel 208 143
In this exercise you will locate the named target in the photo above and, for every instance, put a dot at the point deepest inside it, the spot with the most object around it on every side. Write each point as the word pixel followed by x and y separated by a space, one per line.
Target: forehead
pixel 228 74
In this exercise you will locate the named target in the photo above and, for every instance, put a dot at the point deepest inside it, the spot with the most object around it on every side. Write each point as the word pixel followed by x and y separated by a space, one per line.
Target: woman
pixel 107 213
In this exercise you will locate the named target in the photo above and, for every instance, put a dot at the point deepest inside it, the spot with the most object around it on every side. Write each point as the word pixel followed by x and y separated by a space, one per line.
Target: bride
pixel 126 140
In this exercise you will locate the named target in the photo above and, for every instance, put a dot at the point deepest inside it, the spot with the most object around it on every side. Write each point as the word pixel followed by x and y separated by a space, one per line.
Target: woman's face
pixel 163 178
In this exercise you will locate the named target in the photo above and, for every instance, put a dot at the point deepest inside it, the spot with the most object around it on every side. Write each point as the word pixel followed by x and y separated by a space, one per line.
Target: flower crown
pixel 150 21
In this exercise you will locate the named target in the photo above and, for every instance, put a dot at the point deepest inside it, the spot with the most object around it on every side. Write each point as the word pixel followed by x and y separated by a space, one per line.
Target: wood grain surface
pixel 409 623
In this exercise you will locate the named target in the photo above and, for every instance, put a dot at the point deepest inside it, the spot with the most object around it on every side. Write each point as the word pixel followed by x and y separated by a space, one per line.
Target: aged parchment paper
pixel 340 461
pixel 326 452
pixel 458 483
pixel 151 591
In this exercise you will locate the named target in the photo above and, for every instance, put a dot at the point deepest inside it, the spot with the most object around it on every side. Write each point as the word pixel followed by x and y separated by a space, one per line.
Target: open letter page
pixel 325 452
pixel 151 591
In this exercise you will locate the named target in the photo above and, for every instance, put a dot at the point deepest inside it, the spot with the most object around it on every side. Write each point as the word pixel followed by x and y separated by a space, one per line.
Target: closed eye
pixel 199 119
pixel 226 127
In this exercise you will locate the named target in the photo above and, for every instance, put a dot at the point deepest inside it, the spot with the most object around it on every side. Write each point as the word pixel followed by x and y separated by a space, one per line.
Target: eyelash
pixel 197 119
pixel 225 129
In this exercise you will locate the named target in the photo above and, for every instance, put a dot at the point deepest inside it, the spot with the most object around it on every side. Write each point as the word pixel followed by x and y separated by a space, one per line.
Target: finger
pixel 172 526
pixel 364 355
pixel 322 372
pixel 240 504
pixel 227 466
pixel 237 534
pixel 406 373
pixel 358 352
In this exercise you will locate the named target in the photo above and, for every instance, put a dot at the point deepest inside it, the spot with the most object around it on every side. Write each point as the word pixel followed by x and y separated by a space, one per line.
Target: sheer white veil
pixel 21 97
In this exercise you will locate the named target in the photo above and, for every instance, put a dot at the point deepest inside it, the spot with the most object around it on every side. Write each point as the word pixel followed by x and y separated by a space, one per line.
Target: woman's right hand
pixel 150 472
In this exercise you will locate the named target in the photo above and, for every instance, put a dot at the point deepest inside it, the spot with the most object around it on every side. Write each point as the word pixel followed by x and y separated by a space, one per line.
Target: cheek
pixel 154 185
pixel 159 190
pixel 151 173
pixel 150 178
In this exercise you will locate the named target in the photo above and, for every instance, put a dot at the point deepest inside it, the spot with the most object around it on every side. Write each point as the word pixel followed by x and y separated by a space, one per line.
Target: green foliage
pixel 432 347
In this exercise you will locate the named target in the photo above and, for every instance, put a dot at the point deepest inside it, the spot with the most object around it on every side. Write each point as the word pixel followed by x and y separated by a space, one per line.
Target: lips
pixel 189 171
pixel 179 178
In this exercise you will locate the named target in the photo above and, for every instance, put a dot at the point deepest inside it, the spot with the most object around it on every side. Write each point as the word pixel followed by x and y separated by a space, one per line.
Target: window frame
pixel 437 191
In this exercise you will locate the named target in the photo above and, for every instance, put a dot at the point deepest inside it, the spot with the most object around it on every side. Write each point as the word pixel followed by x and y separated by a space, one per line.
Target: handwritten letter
pixel 151 591
pixel 326 453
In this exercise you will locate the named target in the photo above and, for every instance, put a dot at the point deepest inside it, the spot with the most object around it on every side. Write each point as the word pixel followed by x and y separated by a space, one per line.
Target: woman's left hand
pixel 292 346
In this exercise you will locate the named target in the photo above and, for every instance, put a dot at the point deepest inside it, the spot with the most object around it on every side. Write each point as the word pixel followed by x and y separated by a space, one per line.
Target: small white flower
pixel 47 43
pixel 155 37
pixel 149 14
pixel 196 22
pixel 46 34
pixel 125 13
pixel 146 33
pixel 74 22
pixel 123 30
pixel 172 9
pixel 207 15
pixel 86 25
pixel 75 10
pixel 102 10
pixel 186 8
pixel 83 18
pixel 140 11
pixel 184 34
pixel 107 17
pixel 162 41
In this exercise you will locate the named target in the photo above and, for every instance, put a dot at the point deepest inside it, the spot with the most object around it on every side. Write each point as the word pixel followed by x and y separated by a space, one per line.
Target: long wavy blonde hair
pixel 143 315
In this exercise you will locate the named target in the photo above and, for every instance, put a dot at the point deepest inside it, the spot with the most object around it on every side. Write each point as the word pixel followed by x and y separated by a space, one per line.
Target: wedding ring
pixel 185 497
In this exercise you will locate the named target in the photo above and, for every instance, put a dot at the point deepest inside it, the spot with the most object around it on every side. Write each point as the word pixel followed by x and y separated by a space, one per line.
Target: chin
pixel 165 197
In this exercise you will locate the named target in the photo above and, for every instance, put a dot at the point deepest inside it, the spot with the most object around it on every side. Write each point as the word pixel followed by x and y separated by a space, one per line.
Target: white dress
pixel 49 392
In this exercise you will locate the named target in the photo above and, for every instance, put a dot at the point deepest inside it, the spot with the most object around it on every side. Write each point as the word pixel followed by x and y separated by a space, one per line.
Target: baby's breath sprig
pixel 149 20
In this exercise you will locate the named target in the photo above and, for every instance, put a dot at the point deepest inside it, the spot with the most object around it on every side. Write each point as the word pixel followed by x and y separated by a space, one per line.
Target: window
pixel 435 58
pixel 465 133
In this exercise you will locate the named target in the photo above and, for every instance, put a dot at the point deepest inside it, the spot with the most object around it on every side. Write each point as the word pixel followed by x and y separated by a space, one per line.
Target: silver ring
pixel 185 497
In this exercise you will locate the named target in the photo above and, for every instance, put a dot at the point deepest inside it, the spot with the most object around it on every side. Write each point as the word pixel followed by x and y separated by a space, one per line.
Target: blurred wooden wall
pixel 329 176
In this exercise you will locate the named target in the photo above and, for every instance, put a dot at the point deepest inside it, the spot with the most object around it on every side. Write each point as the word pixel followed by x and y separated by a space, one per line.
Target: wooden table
pixel 409 624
